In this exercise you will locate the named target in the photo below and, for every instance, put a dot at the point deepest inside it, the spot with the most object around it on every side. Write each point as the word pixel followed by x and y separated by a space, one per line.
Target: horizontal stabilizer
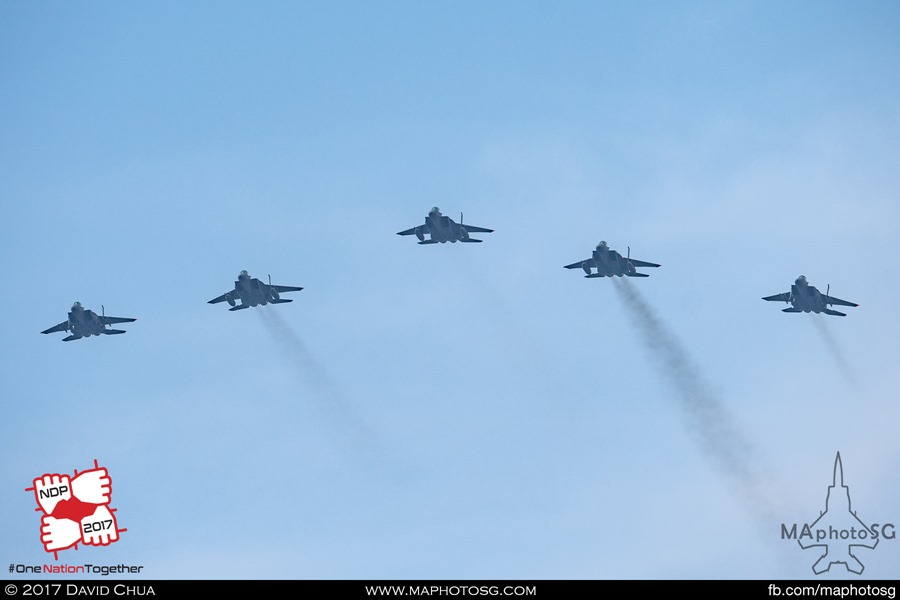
pixel 595 275
pixel 239 307
pixel 280 301
pixel 428 242
pixel 833 312
pixel 637 275
pixel 472 241
pixel 71 337
pixel 113 331
pixel 791 310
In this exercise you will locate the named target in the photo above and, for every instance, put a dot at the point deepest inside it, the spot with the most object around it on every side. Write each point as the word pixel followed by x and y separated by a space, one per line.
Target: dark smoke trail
pixel 299 355
pixel 335 404
pixel 834 349
pixel 710 422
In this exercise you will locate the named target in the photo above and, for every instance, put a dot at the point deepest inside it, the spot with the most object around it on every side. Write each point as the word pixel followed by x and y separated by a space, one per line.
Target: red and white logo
pixel 75 509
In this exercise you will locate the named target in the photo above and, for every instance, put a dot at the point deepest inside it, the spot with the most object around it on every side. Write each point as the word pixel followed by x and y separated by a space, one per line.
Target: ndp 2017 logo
pixel 75 509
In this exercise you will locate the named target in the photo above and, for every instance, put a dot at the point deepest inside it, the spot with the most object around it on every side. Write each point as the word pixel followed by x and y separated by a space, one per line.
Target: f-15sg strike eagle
pixel 807 298
pixel 250 291
pixel 610 263
pixel 441 229
pixel 83 322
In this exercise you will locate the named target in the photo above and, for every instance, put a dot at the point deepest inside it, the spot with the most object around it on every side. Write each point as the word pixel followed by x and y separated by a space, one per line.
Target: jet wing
pixel 473 229
pixel 410 231
pixel 113 320
pixel 61 327
pixel 833 300
pixel 785 297
pixel 578 264
pixel 218 299
pixel 286 288
pixel 641 263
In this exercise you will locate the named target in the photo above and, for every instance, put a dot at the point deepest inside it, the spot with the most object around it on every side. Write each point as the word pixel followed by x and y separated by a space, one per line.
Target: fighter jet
pixel 610 263
pixel 444 229
pixel 252 292
pixel 806 298
pixel 85 323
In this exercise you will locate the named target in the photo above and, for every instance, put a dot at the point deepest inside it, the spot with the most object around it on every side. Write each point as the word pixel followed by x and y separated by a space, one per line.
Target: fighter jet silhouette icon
pixel 838 531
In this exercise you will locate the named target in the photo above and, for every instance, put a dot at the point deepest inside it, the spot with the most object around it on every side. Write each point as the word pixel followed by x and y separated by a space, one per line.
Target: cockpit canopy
pixel 244 275
pixel 602 246
pixel 801 280
pixel 77 306
pixel 435 211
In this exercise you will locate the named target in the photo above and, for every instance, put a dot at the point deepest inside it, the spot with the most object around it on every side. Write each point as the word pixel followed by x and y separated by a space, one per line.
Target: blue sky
pixel 451 411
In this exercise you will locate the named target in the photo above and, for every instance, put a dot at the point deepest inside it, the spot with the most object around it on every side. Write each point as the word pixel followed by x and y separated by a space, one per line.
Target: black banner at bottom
pixel 105 588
